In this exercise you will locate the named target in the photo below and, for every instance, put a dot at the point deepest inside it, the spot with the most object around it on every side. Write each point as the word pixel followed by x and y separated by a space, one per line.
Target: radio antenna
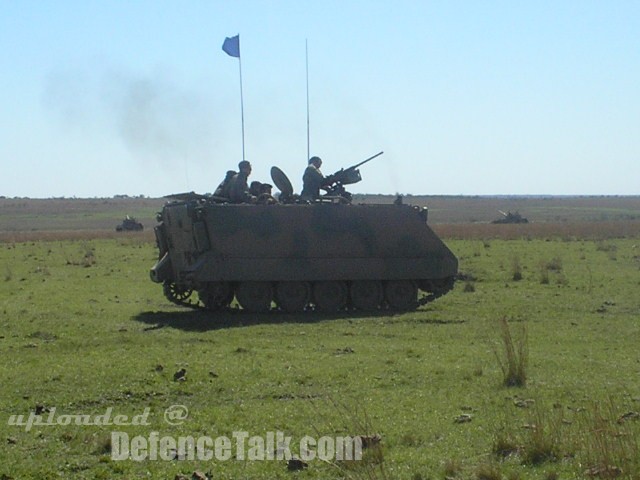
pixel 306 51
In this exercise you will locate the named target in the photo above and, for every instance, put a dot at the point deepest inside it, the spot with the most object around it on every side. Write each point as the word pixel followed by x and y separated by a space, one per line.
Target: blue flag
pixel 231 46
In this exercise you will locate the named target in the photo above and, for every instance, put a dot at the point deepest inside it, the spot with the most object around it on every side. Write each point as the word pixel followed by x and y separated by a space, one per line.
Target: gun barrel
pixel 347 176
pixel 367 160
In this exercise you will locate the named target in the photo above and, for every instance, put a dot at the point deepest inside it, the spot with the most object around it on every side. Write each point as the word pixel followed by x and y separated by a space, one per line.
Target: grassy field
pixel 98 214
pixel 23 218
pixel 84 330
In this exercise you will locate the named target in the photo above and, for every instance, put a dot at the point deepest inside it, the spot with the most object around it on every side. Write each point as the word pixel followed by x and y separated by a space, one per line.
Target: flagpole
pixel 231 46
pixel 241 106
pixel 306 51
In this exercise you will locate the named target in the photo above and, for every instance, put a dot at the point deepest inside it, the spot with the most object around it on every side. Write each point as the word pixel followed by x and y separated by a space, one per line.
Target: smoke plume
pixel 158 120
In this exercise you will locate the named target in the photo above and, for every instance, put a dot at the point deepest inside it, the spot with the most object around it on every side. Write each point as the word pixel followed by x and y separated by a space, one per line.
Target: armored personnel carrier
pixel 326 255
pixel 129 224
pixel 509 217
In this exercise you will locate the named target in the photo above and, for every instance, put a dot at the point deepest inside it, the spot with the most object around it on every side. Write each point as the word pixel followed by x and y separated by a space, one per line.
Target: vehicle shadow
pixel 204 320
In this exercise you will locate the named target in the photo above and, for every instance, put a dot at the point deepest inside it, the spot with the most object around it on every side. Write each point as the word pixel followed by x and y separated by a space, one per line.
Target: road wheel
pixel 366 295
pixel 293 296
pixel 401 294
pixel 176 293
pixel 216 295
pixel 255 296
pixel 330 296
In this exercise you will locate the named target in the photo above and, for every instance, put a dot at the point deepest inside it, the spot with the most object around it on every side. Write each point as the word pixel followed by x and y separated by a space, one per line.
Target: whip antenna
pixel 306 51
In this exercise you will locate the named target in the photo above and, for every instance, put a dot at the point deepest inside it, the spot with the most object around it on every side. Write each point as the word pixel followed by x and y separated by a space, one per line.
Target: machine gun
pixel 334 184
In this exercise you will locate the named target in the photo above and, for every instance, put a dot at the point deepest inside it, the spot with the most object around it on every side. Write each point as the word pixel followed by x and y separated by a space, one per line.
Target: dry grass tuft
pixel 516 269
pixel 469 287
pixel 488 471
pixel 600 441
pixel 514 355
pixel 554 265
pixel 452 468
pixel 609 441
pixel 505 445
pixel 358 425
pixel 551 266
pixel 544 439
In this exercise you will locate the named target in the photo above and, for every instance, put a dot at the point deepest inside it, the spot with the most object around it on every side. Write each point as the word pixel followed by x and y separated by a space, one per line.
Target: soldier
pixel 265 189
pixel 266 197
pixel 255 188
pixel 223 188
pixel 312 180
pixel 238 188
pixel 262 192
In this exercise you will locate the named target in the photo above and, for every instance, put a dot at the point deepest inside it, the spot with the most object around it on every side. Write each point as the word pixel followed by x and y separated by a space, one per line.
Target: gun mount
pixel 334 184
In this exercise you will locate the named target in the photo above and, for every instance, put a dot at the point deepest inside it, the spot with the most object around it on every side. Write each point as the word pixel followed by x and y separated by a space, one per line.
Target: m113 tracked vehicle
pixel 129 224
pixel 327 255
pixel 509 217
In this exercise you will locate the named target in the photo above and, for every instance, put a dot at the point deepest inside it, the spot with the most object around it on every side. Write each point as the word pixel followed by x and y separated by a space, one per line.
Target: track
pixel 335 296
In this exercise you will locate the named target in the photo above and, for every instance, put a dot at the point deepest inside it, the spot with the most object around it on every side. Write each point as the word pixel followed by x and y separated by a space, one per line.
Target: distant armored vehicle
pixel 129 224
pixel 328 255
pixel 511 218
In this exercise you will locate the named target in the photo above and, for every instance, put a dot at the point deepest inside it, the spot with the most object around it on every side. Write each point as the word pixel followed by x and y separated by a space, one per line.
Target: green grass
pixel 83 329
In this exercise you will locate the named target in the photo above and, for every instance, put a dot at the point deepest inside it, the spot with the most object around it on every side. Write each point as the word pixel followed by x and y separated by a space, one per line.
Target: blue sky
pixel 495 97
